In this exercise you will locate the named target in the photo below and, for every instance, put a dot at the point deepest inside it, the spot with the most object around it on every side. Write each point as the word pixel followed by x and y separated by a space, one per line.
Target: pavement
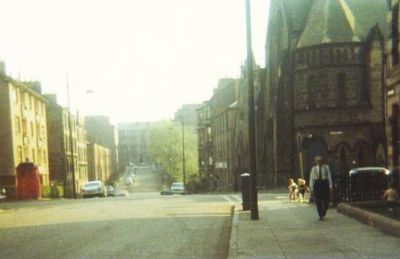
pixel 292 230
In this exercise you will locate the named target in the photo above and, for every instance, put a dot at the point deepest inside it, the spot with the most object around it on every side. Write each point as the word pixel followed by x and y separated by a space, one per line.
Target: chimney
pixel 35 86
pixel 2 68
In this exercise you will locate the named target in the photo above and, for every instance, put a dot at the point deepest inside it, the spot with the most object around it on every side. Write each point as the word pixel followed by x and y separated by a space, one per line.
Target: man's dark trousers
pixel 322 196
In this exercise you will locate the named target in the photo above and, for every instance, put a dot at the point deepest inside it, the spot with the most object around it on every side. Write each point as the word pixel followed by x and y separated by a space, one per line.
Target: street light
pixel 251 120
pixel 183 151
pixel 299 149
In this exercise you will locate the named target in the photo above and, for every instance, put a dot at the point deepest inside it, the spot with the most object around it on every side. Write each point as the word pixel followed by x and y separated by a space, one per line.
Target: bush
pixel 68 192
pixel 57 191
pixel 46 191
pixel 111 182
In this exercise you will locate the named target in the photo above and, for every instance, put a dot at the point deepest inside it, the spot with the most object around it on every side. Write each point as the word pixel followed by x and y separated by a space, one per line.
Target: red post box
pixel 28 181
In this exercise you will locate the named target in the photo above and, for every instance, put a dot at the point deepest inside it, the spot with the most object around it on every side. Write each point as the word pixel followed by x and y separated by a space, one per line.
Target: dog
pixel 292 190
pixel 302 189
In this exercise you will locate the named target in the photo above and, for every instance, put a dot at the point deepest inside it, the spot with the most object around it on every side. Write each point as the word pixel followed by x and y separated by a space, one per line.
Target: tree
pixel 165 148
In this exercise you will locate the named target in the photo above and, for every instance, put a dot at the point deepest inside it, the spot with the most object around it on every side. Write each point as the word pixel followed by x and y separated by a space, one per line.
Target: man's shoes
pixel 321 218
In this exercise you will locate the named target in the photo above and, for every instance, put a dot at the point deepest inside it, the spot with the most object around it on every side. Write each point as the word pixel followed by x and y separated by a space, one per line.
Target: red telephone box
pixel 28 181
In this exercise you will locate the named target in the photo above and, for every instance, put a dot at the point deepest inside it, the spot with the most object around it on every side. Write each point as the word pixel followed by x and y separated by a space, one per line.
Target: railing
pixel 361 184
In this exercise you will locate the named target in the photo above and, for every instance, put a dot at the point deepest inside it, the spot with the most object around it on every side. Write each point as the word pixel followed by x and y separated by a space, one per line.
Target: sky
pixel 131 60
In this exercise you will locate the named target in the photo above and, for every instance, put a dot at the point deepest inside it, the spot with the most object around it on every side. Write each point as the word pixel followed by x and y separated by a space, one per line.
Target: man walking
pixel 321 186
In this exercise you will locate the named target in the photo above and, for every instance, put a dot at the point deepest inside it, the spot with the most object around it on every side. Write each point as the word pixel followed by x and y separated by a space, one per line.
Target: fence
pixel 361 184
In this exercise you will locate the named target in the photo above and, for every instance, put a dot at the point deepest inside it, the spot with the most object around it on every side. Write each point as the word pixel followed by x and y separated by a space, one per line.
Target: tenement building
pixel 99 162
pixel 66 161
pixel 133 143
pixel 223 113
pixel 205 143
pixel 187 115
pixel 23 130
pixel 393 88
pixel 100 131
pixel 324 85
pixel 240 142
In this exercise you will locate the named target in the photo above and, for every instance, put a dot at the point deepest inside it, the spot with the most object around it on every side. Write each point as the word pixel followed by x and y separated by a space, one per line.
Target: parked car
pixel 165 191
pixel 110 190
pixel 94 188
pixel 368 183
pixel 177 188
pixel 121 193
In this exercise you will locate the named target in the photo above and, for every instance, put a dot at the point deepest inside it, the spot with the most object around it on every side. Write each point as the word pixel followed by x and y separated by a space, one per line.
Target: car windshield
pixel 177 185
pixel 92 184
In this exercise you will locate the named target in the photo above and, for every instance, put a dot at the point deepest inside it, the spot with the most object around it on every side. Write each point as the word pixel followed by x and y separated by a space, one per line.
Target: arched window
pixel 361 154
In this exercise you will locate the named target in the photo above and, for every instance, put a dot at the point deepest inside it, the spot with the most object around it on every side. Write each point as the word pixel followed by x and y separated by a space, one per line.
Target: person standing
pixel 321 185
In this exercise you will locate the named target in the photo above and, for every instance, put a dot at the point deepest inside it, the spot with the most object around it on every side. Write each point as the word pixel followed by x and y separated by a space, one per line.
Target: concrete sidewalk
pixel 292 230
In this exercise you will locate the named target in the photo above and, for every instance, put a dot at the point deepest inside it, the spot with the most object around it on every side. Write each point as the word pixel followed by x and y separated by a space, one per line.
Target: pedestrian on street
pixel 321 185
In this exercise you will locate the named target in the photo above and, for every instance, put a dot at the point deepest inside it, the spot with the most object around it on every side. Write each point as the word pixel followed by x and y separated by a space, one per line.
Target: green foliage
pixel 68 192
pixel 166 150
pixel 46 191
pixel 111 182
pixel 57 191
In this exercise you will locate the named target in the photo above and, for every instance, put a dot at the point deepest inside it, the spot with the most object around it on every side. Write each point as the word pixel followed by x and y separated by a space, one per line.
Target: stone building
pixel 205 142
pixel 223 114
pixel 23 130
pixel 393 88
pixel 189 115
pixel 60 157
pixel 99 162
pixel 324 85
pixel 133 143
pixel 101 131
pixel 240 160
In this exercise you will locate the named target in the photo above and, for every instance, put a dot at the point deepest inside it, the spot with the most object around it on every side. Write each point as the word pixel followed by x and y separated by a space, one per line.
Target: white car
pixel 94 188
pixel 178 188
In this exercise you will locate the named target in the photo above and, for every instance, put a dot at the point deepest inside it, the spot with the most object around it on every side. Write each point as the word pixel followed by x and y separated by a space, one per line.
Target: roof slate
pixel 332 21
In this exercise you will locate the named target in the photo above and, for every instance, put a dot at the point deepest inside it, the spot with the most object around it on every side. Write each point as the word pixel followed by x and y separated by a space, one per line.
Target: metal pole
pixel 183 151
pixel 251 120
pixel 71 142
pixel 299 149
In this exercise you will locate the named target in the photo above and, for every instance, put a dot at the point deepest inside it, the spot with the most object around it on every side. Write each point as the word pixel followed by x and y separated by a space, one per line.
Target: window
pixel 32 129
pixel 24 126
pixel 341 89
pixel 311 93
pixel 19 154
pixel 17 124
pixel 33 155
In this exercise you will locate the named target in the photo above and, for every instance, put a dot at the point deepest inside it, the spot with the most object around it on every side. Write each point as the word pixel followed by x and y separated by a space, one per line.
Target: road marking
pixel 232 199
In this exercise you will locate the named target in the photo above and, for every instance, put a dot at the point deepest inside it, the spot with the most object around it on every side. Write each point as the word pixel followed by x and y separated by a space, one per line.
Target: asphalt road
pixel 143 225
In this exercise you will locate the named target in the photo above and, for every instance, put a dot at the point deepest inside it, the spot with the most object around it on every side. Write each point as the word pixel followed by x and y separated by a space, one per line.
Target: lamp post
pixel 183 152
pixel 299 149
pixel 251 120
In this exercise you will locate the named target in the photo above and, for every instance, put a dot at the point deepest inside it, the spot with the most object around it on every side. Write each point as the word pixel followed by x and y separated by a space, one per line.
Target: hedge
pixel 46 191
pixel 57 191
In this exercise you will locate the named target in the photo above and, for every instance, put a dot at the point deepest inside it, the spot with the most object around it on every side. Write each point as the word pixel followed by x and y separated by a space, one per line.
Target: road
pixel 143 225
